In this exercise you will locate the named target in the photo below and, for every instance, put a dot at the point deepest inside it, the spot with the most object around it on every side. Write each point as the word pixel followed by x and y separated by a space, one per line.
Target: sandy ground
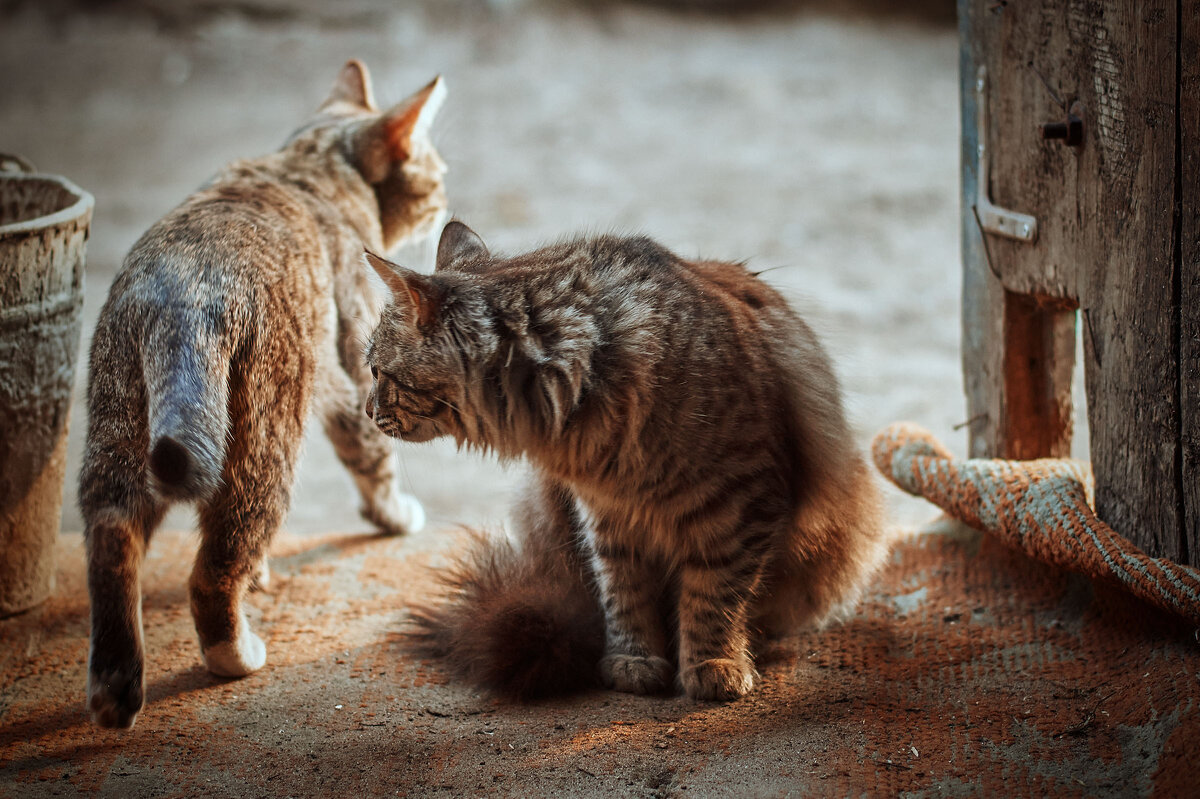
pixel 822 144
pixel 970 671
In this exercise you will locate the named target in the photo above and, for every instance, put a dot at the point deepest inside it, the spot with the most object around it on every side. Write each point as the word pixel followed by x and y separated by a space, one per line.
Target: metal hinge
pixel 992 218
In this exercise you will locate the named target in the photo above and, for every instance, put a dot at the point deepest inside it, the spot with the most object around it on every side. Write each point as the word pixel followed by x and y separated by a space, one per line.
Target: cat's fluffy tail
pixel 187 388
pixel 521 623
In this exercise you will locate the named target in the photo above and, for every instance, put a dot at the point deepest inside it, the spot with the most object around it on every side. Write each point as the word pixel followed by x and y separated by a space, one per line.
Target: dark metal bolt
pixel 1070 131
pixel 1055 130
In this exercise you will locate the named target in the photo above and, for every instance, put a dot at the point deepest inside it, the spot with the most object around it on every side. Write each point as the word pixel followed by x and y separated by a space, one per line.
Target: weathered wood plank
pixel 1189 271
pixel 1018 352
pixel 1127 78
pixel 1034 81
pixel 983 296
pixel 1108 239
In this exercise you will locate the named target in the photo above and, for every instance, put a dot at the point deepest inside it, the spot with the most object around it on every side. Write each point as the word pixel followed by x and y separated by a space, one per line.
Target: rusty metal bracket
pixel 992 218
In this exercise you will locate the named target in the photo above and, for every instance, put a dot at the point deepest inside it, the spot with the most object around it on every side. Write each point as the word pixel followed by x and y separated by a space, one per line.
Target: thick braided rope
pixel 1041 507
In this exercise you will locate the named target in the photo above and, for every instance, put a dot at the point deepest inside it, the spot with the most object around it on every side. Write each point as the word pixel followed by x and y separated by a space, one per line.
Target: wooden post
pixel 1188 238
pixel 1117 234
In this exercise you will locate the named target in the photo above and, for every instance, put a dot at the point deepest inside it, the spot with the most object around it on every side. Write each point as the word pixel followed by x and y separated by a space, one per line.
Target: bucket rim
pixel 83 204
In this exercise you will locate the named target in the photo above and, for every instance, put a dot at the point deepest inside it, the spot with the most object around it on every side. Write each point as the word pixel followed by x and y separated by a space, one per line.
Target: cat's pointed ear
pixel 459 244
pixel 411 291
pixel 381 143
pixel 352 87
pixel 411 119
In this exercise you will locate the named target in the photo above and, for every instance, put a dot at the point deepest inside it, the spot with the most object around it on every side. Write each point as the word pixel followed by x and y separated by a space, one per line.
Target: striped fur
pixel 231 318
pixel 688 444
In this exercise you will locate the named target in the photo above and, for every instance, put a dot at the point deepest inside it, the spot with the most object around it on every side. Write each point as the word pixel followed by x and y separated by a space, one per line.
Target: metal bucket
pixel 44 223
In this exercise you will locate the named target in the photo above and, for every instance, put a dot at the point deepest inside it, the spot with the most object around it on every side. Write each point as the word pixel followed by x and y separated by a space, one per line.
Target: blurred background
pixel 817 140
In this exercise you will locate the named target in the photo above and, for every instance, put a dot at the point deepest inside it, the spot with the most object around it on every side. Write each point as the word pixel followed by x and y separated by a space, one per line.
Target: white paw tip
pixel 400 514
pixel 414 512
pixel 237 658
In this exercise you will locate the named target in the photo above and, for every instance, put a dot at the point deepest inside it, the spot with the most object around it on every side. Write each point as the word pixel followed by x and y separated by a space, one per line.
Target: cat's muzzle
pixel 422 430
pixel 414 430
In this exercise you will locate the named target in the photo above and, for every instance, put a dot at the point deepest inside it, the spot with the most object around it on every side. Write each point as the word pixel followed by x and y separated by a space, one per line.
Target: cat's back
pixel 666 306
pixel 245 220
pixel 720 290
pixel 240 244
pixel 691 355
pixel 633 281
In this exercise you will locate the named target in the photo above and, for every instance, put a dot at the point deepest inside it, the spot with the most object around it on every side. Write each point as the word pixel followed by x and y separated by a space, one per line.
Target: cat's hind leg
pixel 236 528
pixel 822 566
pixel 238 521
pixel 120 513
pixel 370 457
pixel 116 542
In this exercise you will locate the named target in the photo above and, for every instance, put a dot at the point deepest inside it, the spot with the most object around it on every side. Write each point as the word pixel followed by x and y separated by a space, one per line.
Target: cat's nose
pixel 369 408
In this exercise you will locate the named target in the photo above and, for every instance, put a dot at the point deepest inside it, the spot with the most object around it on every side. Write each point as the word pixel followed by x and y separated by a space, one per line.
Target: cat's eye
pixel 374 372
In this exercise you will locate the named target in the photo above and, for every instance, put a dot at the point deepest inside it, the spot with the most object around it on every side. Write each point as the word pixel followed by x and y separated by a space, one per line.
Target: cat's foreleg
pixel 635 640
pixel 371 458
pixel 714 601
pixel 262 576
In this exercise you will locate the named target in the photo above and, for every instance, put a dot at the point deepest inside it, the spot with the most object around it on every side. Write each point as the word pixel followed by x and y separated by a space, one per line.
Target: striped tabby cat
pixel 231 317
pixel 694 482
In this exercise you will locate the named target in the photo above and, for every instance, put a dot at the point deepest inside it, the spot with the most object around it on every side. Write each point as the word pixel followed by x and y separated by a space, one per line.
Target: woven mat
pixel 971 670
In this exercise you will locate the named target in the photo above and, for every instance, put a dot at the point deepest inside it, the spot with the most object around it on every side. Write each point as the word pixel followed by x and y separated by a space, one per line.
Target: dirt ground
pixel 970 671
pixel 814 141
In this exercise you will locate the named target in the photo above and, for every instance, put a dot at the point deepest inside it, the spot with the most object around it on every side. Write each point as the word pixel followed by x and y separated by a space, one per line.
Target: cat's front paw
pixel 635 675
pixel 244 655
pixel 262 578
pixel 719 679
pixel 396 514
pixel 115 697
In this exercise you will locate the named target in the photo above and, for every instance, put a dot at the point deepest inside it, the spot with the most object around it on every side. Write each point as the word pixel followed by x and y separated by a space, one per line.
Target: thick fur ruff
pixel 521 624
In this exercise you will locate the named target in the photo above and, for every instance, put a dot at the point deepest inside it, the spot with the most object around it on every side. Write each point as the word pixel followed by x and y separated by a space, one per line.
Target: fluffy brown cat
pixel 694 479
pixel 231 317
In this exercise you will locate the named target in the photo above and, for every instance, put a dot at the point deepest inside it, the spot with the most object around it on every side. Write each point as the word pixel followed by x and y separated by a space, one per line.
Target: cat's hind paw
pixel 632 674
pixel 244 655
pixel 719 679
pixel 115 698
pixel 398 514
